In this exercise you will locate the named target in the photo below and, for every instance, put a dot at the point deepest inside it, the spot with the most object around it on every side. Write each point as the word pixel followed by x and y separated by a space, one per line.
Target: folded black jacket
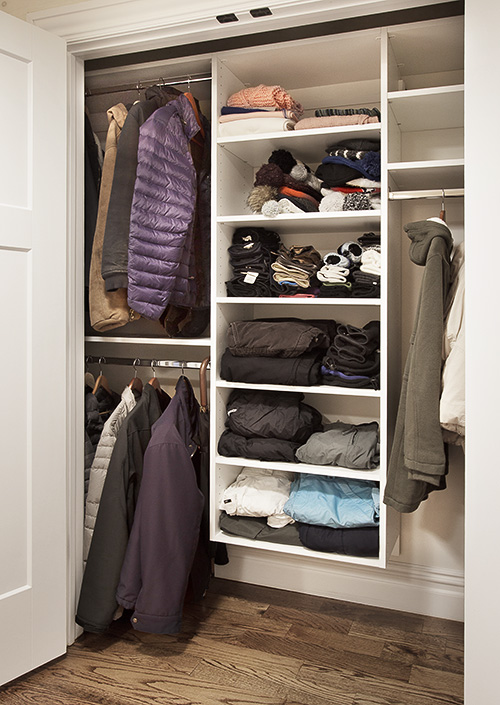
pixel 274 338
pixel 233 445
pixel 299 371
pixel 271 415
pixel 258 529
pixel 362 541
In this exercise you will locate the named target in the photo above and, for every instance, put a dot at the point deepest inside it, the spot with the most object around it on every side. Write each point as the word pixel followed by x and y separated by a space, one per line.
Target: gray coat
pixel 418 462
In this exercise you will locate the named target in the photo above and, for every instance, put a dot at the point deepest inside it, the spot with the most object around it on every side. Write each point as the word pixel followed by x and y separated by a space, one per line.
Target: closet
pixel 413 74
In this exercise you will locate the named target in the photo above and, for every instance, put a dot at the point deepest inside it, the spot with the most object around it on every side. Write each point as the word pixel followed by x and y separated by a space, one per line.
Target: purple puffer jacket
pixel 161 219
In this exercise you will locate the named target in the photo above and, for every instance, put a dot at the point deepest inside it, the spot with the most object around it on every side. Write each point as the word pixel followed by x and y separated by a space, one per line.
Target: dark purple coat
pixel 162 215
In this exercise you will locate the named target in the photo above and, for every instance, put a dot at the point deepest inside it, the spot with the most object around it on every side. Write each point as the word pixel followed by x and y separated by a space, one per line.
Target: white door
pixel 33 412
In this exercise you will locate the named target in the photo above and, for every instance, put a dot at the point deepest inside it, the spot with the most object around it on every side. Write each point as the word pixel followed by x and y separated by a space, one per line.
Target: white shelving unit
pixel 237 160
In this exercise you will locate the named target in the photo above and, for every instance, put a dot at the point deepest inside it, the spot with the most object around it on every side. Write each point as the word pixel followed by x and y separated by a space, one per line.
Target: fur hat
pixel 259 195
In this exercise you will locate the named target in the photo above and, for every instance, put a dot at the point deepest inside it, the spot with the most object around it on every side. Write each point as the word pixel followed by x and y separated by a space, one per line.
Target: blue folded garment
pixel 333 501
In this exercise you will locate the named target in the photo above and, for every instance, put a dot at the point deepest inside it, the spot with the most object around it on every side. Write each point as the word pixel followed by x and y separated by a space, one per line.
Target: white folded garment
pixel 331 273
pixel 371 262
pixel 255 126
pixel 258 492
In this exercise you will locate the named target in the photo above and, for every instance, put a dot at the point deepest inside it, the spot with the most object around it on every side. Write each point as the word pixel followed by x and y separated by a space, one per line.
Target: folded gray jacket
pixel 274 338
pixel 343 444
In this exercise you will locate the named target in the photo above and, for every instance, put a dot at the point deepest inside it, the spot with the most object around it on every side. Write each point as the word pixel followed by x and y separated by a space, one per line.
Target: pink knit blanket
pixel 262 96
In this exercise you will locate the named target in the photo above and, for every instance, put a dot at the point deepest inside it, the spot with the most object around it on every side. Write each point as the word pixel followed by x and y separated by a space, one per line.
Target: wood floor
pixel 248 645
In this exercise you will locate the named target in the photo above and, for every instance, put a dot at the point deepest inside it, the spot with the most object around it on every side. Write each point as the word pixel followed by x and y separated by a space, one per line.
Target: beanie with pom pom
pixel 269 175
pixel 332 202
pixel 271 209
pixel 284 159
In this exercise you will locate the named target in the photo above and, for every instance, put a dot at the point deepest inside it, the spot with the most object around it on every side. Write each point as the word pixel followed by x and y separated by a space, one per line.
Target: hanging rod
pixel 142 85
pixel 431 193
pixel 140 362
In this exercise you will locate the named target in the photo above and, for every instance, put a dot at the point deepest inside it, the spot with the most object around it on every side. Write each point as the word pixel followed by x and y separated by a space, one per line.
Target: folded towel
pixel 255 126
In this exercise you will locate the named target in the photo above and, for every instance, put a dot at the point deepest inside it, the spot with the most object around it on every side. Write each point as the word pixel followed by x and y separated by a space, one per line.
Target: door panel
pixel 33 412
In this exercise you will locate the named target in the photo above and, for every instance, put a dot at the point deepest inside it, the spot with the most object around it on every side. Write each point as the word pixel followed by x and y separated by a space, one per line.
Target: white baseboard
pixel 400 586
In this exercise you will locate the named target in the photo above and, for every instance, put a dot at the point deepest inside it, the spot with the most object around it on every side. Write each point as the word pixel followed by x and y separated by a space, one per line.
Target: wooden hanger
pixel 154 380
pixel 135 383
pixel 101 381
pixel 203 385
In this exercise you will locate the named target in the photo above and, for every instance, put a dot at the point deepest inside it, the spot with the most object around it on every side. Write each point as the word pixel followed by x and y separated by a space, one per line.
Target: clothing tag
pixel 250 277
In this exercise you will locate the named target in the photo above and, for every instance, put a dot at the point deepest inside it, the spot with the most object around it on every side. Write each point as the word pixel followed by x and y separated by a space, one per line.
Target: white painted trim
pixel 400 586
pixel 75 338
pixel 105 27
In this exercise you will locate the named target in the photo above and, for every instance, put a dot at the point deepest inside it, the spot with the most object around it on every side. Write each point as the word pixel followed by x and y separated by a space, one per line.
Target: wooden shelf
pixel 305 145
pixel 295 550
pixel 300 302
pixel 341 221
pixel 313 389
pixel 328 470
pixel 434 108
pixel 443 173
pixel 189 342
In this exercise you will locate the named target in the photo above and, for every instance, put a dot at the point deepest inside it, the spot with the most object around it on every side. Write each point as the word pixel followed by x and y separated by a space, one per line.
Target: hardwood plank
pixel 336 640
pixel 386 632
pixel 424 655
pixel 292 615
pixel 445 627
pixel 372 690
pixel 378 616
pixel 235 604
pixel 438 681
pixel 225 624
pixel 342 660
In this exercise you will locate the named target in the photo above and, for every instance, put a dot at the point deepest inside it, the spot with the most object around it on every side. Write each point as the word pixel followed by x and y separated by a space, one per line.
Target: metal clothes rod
pixel 431 193
pixel 142 85
pixel 140 362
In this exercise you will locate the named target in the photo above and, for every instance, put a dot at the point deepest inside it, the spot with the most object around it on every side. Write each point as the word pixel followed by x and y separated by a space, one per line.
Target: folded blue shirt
pixel 333 501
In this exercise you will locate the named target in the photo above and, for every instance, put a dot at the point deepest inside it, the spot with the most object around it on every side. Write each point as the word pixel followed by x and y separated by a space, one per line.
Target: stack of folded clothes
pixel 284 185
pixel 333 515
pixel 258 492
pixel 350 176
pixel 353 270
pixel 336 117
pixel 347 445
pixel 251 254
pixel 330 508
pixel 259 109
pixel 353 359
pixel 294 270
pixel 276 351
pixel 266 425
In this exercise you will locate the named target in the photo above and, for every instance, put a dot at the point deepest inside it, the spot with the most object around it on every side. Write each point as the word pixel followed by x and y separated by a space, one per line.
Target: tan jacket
pixel 108 309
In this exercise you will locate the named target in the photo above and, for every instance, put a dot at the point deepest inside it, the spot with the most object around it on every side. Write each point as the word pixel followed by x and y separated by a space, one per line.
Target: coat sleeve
pixel 163 540
pixel 97 603
pixel 115 243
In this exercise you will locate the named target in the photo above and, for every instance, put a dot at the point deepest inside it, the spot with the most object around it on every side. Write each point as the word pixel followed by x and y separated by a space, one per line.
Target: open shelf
pixel 329 470
pixel 444 173
pixel 434 108
pixel 303 144
pixel 317 389
pixel 344 221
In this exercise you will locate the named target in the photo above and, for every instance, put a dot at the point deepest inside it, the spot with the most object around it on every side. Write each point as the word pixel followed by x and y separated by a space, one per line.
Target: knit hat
pixel 284 159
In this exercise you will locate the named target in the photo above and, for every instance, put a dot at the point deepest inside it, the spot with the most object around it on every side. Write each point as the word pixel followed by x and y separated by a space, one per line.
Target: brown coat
pixel 108 309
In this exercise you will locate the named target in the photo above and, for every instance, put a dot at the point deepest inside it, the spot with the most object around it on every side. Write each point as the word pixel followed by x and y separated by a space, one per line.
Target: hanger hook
pixel 153 363
pixel 189 84
pixel 183 367
pixel 102 361
pixel 137 361
pixel 442 199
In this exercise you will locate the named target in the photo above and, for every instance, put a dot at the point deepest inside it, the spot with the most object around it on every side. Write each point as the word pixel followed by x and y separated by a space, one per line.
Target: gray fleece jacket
pixel 418 462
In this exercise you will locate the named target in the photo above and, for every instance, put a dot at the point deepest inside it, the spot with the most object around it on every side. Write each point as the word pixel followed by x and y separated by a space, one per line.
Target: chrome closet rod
pixel 140 362
pixel 431 193
pixel 142 85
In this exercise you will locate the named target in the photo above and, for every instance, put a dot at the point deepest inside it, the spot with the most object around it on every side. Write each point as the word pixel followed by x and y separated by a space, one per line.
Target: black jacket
pixel 97 603
pixel 272 415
